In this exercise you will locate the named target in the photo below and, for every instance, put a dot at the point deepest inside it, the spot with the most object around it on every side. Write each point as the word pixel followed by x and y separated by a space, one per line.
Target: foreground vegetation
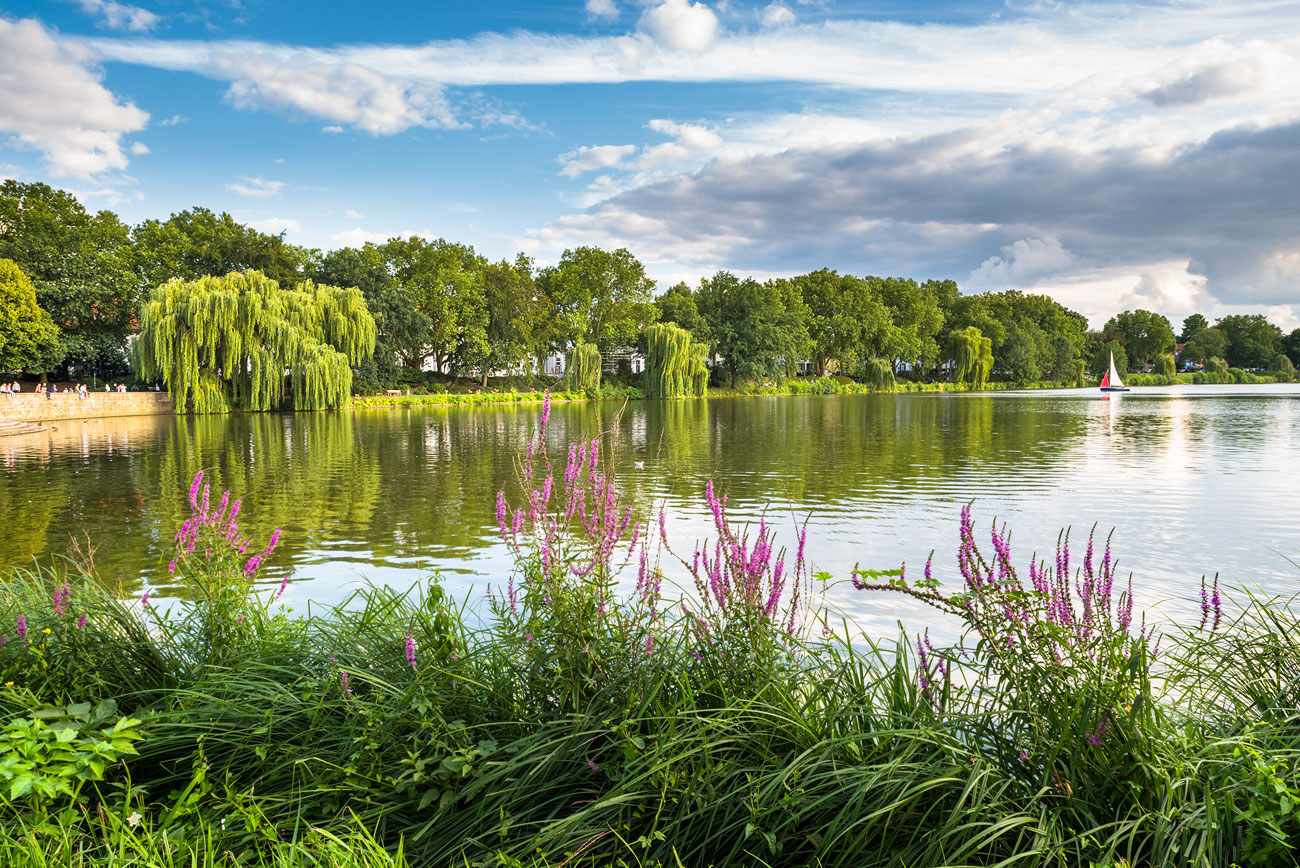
pixel 592 719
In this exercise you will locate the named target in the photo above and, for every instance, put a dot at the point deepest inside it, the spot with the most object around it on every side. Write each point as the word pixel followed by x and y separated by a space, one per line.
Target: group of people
pixel 15 388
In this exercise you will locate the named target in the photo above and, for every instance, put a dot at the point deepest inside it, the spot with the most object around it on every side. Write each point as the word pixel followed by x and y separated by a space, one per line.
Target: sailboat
pixel 1111 381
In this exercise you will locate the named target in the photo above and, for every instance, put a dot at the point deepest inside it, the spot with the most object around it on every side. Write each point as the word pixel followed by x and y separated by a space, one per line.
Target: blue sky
pixel 1114 155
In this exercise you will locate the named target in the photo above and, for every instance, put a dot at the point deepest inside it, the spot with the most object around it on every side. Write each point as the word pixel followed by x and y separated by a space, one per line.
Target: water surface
pixel 1193 480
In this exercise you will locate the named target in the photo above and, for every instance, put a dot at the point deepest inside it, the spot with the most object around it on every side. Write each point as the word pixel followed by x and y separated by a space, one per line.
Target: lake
pixel 1193 480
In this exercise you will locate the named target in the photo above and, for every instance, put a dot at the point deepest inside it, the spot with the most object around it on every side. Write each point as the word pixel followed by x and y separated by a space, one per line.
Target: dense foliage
pixel 29 340
pixel 234 341
pixel 445 312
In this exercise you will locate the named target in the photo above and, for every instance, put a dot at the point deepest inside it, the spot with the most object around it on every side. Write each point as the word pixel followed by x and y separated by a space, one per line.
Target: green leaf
pixel 21 786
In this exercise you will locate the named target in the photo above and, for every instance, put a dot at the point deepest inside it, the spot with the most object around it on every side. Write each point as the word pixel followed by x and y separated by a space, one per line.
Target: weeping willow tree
pixel 1216 366
pixel 972 357
pixel 1165 365
pixel 582 364
pixel 878 374
pixel 1283 368
pixel 674 363
pixel 240 341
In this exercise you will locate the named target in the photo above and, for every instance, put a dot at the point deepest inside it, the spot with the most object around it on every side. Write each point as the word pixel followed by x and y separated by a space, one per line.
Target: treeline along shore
pixel 218 311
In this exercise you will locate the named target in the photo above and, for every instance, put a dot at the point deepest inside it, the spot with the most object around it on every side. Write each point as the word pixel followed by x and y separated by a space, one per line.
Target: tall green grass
pixel 594 723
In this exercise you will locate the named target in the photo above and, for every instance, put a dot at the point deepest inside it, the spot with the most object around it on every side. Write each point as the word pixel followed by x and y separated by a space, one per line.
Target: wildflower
pixel 1024 756
pixel 9 684
pixel 1217 602
pixel 592 765
pixel 134 819
pixel 47 631
pixel 343 685
pixel 144 601
pixel 410 650
pixel 81 622
pixel 22 627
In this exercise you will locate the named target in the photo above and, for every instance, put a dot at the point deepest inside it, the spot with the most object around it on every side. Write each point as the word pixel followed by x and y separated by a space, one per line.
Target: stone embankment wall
pixel 30 407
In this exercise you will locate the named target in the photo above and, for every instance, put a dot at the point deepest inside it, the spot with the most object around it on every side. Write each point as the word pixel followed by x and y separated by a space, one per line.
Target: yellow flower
pixel 47 631
pixel 9 684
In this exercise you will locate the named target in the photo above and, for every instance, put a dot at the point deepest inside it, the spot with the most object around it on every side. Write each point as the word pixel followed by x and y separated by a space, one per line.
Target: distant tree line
pixel 78 281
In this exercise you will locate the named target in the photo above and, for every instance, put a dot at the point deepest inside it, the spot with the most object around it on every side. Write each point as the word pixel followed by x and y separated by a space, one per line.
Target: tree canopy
pixel 227 342
pixel 752 325
pixel 1144 335
pixel 29 340
pixel 80 265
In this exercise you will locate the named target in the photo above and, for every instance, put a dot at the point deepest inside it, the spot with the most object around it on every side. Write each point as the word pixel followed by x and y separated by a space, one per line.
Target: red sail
pixel 1105 379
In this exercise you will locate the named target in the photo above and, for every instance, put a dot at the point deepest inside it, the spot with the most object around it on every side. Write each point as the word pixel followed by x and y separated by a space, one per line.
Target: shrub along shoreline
pixel 597 720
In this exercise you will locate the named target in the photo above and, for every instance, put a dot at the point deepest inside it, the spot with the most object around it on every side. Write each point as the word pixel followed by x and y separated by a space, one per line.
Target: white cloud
pixel 1022 263
pixel 119 16
pixel 333 129
pixel 606 9
pixel 775 14
pixel 257 188
pixel 139 148
pixel 680 25
pixel 586 159
pixel 276 225
pixel 173 121
pixel 353 214
pixel 52 102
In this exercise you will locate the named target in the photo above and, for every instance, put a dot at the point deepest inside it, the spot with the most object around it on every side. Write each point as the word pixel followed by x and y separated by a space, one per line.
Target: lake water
pixel 1193 480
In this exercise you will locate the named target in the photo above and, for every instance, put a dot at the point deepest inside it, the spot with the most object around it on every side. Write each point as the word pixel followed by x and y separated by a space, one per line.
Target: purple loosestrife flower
pixel 546 414
pixel 284 583
pixel 343 685
pixel 1205 605
pixel 410 650
pixel 194 490
pixel 22 628
pixel 592 766
pixel 81 622
pixel 1217 602
pixel 144 601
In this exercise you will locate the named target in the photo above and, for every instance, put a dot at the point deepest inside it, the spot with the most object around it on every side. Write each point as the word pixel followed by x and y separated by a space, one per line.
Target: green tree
pixel 200 243
pixel 582 367
pixel 1283 368
pixel 846 321
pixel 674 365
pixel 79 264
pixel 1192 325
pixel 402 332
pixel 1291 346
pixel 1165 365
pixel 598 296
pixel 223 342
pixel 1253 341
pixel 915 320
pixel 29 339
pixel 1101 360
pixel 971 355
pixel 677 305
pixel 512 307
pixel 1206 344
pixel 444 282
pixel 750 325
pixel 1143 333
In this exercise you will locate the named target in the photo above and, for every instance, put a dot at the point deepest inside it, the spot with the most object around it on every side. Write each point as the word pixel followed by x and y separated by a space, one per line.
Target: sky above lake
pixel 1113 155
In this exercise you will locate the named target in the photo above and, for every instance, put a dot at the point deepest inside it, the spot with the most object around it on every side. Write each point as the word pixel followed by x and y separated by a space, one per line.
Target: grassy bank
pixel 595 723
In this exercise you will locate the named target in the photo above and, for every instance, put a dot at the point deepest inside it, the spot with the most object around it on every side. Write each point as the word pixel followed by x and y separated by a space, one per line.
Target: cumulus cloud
pixel 119 16
pixel 680 25
pixel 52 102
pixel 173 121
pixel 775 14
pixel 606 9
pixel 257 188
pixel 1022 263
pixel 139 148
